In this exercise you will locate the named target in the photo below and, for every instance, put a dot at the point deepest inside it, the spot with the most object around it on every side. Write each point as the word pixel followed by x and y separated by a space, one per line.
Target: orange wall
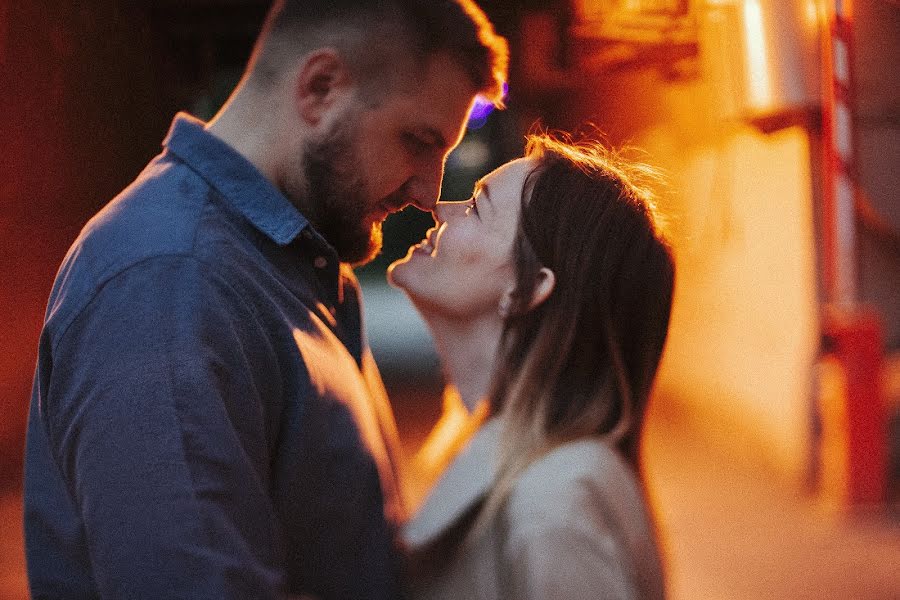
pixel 744 331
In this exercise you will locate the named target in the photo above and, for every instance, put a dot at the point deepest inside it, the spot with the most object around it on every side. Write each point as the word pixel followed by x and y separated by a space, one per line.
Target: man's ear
pixel 321 81
pixel 543 287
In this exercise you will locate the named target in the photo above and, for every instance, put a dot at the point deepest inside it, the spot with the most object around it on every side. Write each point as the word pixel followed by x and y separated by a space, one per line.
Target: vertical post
pixel 840 172
pixel 855 330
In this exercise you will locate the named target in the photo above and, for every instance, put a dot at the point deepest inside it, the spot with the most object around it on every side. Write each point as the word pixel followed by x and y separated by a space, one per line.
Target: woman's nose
pixel 444 211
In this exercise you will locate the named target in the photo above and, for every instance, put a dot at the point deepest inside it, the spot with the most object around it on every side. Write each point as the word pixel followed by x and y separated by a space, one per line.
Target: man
pixel 207 420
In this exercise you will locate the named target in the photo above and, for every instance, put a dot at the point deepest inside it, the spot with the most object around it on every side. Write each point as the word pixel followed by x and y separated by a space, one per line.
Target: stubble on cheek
pixel 343 215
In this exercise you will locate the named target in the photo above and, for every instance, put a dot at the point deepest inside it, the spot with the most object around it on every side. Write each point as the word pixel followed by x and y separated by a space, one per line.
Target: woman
pixel 548 295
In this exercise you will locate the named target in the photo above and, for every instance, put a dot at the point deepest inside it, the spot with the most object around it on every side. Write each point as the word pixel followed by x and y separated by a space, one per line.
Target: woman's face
pixel 464 265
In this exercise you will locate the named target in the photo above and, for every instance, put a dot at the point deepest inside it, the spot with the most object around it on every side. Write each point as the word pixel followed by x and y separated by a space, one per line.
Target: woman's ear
pixel 543 287
pixel 546 281
pixel 322 79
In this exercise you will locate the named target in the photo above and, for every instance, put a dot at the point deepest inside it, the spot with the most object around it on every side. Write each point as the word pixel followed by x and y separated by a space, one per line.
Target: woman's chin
pixel 396 271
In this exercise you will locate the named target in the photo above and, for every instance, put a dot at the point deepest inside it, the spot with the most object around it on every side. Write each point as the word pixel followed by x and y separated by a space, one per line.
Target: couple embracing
pixel 207 420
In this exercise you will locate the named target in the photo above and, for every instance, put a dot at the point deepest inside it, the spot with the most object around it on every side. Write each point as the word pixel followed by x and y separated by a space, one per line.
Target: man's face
pixel 338 204
pixel 378 159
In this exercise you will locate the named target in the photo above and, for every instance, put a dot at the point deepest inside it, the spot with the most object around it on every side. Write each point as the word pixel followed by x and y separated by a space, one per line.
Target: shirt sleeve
pixel 157 418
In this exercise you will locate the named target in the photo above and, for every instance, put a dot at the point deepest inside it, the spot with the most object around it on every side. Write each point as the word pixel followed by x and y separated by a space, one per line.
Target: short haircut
pixel 374 36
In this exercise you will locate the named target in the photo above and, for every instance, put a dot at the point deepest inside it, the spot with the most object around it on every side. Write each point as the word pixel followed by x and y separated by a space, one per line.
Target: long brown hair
pixel 582 362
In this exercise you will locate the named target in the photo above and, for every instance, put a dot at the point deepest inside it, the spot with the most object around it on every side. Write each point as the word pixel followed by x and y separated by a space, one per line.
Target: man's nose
pixel 425 186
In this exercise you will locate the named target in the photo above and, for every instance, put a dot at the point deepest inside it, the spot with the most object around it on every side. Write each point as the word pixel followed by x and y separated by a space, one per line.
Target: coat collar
pixel 465 482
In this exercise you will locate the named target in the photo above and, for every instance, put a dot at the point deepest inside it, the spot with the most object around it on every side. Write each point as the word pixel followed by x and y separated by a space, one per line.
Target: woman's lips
pixel 423 247
pixel 426 246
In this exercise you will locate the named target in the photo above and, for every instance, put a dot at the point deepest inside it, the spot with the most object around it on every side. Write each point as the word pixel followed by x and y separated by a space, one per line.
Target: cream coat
pixel 575 527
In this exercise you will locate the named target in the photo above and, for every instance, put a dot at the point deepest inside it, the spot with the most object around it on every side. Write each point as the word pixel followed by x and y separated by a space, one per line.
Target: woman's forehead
pixel 505 183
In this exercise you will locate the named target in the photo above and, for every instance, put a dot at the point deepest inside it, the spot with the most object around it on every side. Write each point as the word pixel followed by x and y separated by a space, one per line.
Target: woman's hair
pixel 582 362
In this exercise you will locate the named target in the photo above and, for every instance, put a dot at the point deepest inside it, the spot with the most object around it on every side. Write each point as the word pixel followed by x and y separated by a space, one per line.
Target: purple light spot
pixel 477 123
pixel 482 108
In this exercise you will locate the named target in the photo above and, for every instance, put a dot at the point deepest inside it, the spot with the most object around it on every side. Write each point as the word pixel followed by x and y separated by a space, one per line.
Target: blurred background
pixel 773 446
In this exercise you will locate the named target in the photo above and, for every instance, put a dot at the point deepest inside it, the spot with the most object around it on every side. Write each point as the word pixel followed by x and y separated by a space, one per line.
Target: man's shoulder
pixel 157 214
pixel 155 218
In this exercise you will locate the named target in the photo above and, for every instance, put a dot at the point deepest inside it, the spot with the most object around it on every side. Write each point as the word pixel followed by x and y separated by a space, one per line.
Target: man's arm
pixel 156 414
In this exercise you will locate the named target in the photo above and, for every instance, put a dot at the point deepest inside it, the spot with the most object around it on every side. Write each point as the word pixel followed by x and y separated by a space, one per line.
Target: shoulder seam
pixel 108 278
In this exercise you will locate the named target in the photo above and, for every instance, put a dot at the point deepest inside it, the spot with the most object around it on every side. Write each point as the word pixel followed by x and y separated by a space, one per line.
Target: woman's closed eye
pixel 472 207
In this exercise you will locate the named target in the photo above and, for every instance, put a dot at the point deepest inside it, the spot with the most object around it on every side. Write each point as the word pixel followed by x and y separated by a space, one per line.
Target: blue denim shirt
pixel 206 419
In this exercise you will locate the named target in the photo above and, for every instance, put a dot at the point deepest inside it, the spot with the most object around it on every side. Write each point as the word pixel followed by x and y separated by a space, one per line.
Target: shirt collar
pixel 465 482
pixel 235 178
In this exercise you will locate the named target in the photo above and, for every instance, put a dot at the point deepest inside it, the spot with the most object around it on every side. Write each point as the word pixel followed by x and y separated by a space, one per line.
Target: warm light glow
pixel 845 241
pixel 758 78
pixel 744 242
pixel 445 440
pixel 832 383
pixel 843 132
pixel 840 55
pixel 812 13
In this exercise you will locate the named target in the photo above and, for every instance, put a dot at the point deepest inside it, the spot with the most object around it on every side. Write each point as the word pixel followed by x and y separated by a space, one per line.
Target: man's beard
pixel 333 198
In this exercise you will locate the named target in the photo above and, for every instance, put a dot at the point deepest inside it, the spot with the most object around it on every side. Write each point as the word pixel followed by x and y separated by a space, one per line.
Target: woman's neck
pixel 467 349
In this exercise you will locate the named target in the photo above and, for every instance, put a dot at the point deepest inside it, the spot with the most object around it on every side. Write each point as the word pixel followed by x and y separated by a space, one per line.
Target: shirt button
pixel 307 234
pixel 320 262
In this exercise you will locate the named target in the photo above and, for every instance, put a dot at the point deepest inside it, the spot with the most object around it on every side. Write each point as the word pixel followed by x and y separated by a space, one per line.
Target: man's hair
pixel 373 36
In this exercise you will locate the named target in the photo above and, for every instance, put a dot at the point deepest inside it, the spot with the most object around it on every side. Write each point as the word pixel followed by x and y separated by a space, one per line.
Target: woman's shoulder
pixel 576 465
pixel 579 513
pixel 575 478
